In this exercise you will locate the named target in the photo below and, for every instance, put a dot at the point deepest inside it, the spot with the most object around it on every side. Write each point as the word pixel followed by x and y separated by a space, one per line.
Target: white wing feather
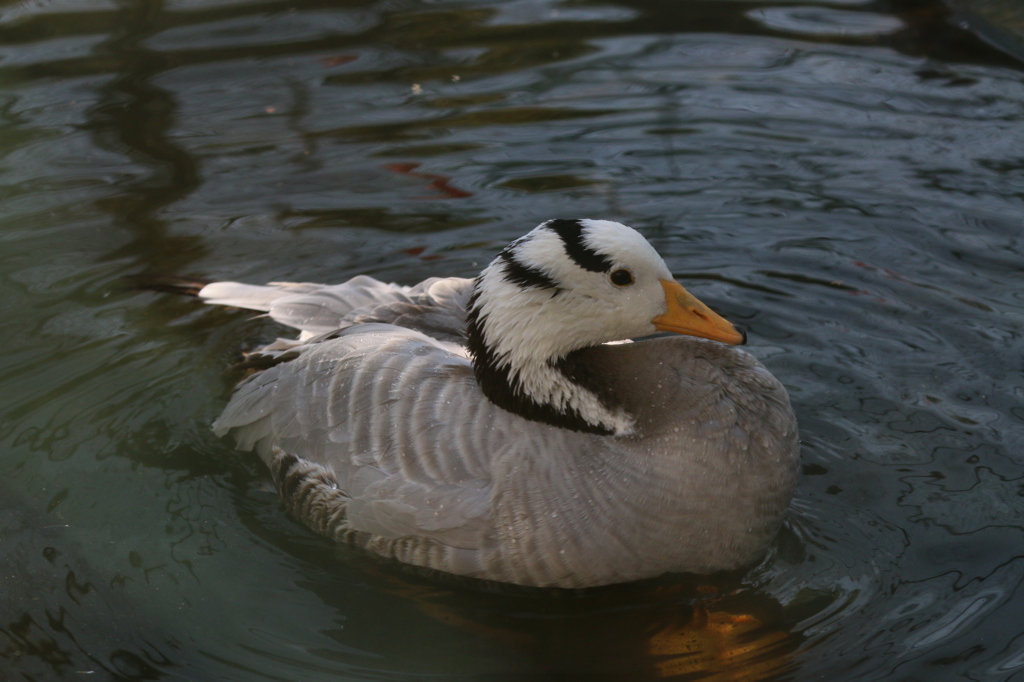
pixel 316 309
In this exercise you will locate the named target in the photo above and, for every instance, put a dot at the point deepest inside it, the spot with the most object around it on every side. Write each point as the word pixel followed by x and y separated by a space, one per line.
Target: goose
pixel 507 428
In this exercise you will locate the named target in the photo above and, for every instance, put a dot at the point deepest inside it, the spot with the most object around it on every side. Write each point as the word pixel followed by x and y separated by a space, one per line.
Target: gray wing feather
pixel 396 417
pixel 436 306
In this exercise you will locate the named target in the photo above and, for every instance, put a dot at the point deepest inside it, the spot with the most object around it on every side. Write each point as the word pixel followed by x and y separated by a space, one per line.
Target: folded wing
pixel 395 421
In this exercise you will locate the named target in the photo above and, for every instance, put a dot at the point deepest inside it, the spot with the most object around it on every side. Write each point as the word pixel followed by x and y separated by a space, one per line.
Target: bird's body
pixel 486 427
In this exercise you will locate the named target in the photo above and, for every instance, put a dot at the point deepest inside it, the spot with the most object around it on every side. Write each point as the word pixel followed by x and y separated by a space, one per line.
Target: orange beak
pixel 687 315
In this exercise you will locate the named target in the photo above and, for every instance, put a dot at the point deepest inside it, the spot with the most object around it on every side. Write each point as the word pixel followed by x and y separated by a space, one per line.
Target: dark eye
pixel 622 277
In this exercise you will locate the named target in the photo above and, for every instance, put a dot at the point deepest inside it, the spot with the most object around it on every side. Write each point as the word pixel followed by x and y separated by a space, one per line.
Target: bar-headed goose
pixel 488 428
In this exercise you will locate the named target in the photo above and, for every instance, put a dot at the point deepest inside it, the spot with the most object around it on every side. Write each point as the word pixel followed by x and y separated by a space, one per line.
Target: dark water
pixel 844 179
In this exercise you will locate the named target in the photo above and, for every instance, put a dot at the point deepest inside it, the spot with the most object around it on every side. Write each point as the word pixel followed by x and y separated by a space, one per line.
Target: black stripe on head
pixel 571 232
pixel 524 276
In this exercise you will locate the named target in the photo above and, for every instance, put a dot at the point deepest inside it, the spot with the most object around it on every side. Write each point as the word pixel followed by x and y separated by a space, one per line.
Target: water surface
pixel 845 179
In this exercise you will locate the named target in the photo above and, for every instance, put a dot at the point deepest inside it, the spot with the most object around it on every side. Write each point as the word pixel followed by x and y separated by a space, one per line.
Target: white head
pixel 566 285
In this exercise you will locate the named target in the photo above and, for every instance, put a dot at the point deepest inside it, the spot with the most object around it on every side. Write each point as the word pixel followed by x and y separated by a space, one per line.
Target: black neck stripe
pixel 524 276
pixel 571 232
pixel 505 391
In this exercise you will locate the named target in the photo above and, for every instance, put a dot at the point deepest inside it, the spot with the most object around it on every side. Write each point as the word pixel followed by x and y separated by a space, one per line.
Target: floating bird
pixel 506 428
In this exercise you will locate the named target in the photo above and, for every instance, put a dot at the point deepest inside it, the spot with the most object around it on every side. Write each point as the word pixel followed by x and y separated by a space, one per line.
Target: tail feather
pixel 253 296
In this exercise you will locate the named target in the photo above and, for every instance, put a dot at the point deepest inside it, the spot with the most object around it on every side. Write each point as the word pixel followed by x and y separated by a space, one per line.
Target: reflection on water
pixel 843 178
